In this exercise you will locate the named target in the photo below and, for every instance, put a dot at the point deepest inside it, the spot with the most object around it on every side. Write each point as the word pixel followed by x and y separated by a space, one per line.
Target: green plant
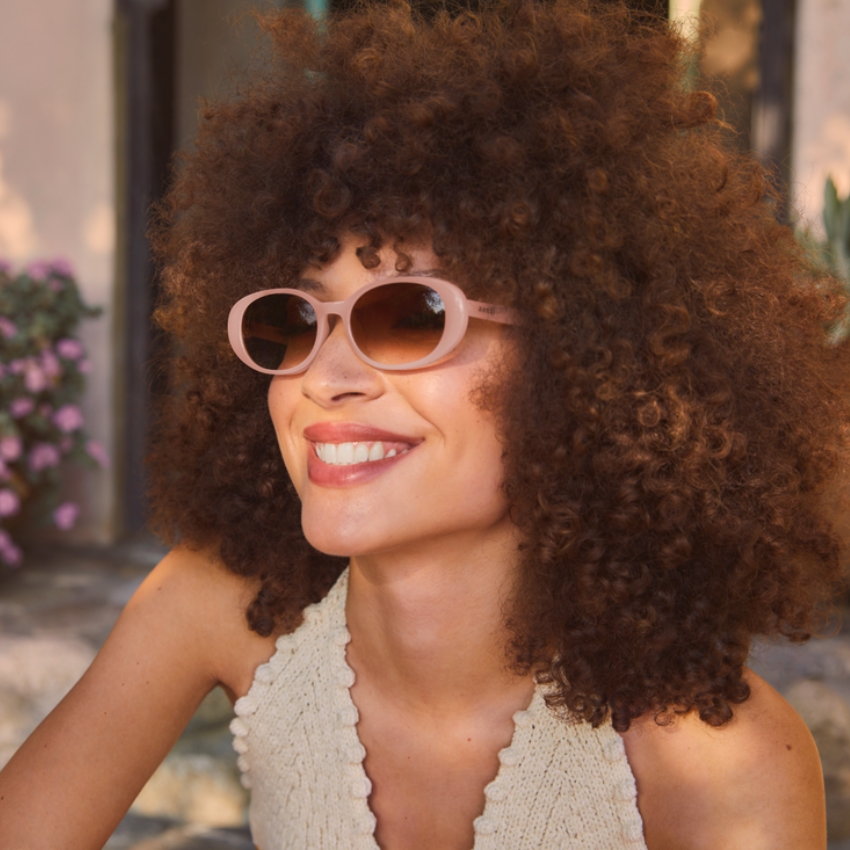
pixel 42 376
pixel 836 222
pixel 830 257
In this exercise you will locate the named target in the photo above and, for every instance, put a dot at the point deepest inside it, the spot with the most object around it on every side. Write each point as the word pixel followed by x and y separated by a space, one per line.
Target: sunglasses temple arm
pixel 491 312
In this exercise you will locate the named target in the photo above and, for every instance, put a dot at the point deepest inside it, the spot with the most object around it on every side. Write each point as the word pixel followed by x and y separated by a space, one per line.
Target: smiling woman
pixel 523 433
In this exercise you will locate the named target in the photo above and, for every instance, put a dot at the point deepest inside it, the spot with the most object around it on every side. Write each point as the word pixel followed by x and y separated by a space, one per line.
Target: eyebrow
pixel 309 285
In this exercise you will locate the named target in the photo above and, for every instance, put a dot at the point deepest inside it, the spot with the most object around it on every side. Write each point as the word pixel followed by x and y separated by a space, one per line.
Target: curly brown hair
pixel 679 412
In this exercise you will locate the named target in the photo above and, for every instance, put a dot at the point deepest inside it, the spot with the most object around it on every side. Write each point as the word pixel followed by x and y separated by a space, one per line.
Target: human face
pixel 441 475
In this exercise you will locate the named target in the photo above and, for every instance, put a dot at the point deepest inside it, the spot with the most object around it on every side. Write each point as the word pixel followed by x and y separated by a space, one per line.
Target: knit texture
pixel 560 784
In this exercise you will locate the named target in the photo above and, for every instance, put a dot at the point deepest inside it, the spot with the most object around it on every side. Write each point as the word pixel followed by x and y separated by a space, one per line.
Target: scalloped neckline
pixel 508 757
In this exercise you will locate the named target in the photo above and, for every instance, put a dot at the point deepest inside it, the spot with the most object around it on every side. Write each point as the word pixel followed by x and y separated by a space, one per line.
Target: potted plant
pixel 43 367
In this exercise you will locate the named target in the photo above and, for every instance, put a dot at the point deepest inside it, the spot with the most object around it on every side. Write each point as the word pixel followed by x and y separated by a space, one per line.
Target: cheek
pixel 283 394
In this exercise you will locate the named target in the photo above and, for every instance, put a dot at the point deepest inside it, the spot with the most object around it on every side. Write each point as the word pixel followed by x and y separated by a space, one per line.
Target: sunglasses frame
pixel 459 309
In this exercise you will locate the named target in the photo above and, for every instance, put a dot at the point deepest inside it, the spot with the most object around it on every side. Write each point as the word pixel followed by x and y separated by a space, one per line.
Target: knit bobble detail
pixel 264 674
pixel 238 727
pixel 345 678
pixel 510 757
pixel 633 831
pixel 360 788
pixel 348 716
pixel 484 825
pixel 496 792
pixel 366 825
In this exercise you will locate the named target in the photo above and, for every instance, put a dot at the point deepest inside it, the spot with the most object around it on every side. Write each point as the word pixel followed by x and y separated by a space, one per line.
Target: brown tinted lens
pixel 279 330
pixel 398 323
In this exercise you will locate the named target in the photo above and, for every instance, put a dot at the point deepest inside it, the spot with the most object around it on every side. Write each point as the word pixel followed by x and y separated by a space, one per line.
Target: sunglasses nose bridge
pixel 329 315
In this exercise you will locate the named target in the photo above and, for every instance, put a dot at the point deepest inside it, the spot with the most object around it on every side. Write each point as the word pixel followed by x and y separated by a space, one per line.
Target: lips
pixel 347 453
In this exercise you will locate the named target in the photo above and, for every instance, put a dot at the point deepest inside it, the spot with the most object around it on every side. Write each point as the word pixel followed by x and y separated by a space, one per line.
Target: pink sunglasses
pixel 399 323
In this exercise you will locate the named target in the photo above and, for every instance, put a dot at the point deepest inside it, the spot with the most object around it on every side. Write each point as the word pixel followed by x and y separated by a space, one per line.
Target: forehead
pixel 346 273
pixel 317 287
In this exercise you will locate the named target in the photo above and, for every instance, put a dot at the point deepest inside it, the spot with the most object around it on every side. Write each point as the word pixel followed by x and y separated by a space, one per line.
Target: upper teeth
pixel 345 454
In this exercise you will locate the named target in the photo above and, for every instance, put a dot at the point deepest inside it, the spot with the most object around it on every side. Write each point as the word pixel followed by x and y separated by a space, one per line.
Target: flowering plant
pixel 42 375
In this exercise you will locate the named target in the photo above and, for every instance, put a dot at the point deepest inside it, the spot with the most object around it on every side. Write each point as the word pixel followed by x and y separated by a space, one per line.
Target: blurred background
pixel 96 96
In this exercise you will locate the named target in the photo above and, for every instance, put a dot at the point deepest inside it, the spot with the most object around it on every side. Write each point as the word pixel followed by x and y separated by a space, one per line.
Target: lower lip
pixel 331 475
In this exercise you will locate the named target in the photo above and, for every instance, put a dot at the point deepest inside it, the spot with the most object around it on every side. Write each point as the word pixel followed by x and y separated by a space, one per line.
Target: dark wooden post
pixel 145 43
pixel 773 105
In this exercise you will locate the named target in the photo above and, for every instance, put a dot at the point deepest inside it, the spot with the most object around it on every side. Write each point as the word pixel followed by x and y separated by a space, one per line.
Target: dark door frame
pixel 146 58
pixel 773 107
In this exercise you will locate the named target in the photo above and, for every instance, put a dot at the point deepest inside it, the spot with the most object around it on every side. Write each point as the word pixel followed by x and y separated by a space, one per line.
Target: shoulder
pixel 193 599
pixel 753 783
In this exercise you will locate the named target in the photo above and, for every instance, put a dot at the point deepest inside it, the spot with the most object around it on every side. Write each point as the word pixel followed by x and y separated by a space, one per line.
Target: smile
pixel 348 454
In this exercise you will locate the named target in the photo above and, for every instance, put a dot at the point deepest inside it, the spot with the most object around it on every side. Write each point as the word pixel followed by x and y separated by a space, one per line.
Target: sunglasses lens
pixel 279 330
pixel 398 323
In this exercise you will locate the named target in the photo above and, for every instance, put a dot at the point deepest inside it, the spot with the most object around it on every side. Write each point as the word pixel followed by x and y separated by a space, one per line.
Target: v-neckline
pixel 495 792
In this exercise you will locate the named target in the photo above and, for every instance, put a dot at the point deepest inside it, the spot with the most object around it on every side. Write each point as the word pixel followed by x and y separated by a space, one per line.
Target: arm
pixel 753 784
pixel 181 634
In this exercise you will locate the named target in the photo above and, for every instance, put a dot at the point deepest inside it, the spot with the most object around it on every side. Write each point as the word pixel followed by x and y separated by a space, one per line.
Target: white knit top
pixel 560 784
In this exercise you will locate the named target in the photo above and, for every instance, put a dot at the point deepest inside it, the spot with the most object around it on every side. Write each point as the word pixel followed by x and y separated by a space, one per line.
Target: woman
pixel 488 584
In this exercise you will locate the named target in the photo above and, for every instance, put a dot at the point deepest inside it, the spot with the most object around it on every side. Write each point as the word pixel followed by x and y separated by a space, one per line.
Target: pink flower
pixel 50 364
pixel 70 349
pixel 44 455
pixel 68 418
pixel 10 448
pixel 38 270
pixel 5 267
pixel 34 379
pixel 10 553
pixel 84 366
pixel 66 515
pixel 62 266
pixel 7 327
pixel 97 452
pixel 18 367
pixel 22 406
pixel 10 504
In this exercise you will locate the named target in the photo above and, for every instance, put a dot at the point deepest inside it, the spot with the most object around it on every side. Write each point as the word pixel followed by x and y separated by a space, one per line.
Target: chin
pixel 333 537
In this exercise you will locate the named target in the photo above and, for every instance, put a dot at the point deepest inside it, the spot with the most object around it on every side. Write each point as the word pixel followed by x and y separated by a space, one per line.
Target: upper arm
pixel 754 783
pixel 72 781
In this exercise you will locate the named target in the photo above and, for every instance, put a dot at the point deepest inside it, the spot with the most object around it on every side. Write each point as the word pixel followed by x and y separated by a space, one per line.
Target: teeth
pixel 346 454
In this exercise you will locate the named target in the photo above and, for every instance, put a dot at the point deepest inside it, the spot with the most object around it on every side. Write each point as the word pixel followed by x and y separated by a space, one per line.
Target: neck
pixel 427 627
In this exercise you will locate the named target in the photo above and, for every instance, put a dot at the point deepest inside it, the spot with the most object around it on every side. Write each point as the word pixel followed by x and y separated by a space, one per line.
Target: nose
pixel 337 374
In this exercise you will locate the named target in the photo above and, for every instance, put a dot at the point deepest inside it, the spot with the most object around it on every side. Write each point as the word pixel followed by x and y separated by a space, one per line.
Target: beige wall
pixel 57 183
pixel 821 142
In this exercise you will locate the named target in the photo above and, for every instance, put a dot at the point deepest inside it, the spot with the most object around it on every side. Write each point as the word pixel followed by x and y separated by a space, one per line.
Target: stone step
pixel 141 833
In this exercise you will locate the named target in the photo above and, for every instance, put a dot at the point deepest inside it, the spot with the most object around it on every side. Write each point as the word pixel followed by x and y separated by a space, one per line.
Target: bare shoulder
pixel 197 594
pixel 753 783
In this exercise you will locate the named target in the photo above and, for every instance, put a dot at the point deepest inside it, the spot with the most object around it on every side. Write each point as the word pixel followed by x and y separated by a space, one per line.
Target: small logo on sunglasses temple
pixel 491 311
